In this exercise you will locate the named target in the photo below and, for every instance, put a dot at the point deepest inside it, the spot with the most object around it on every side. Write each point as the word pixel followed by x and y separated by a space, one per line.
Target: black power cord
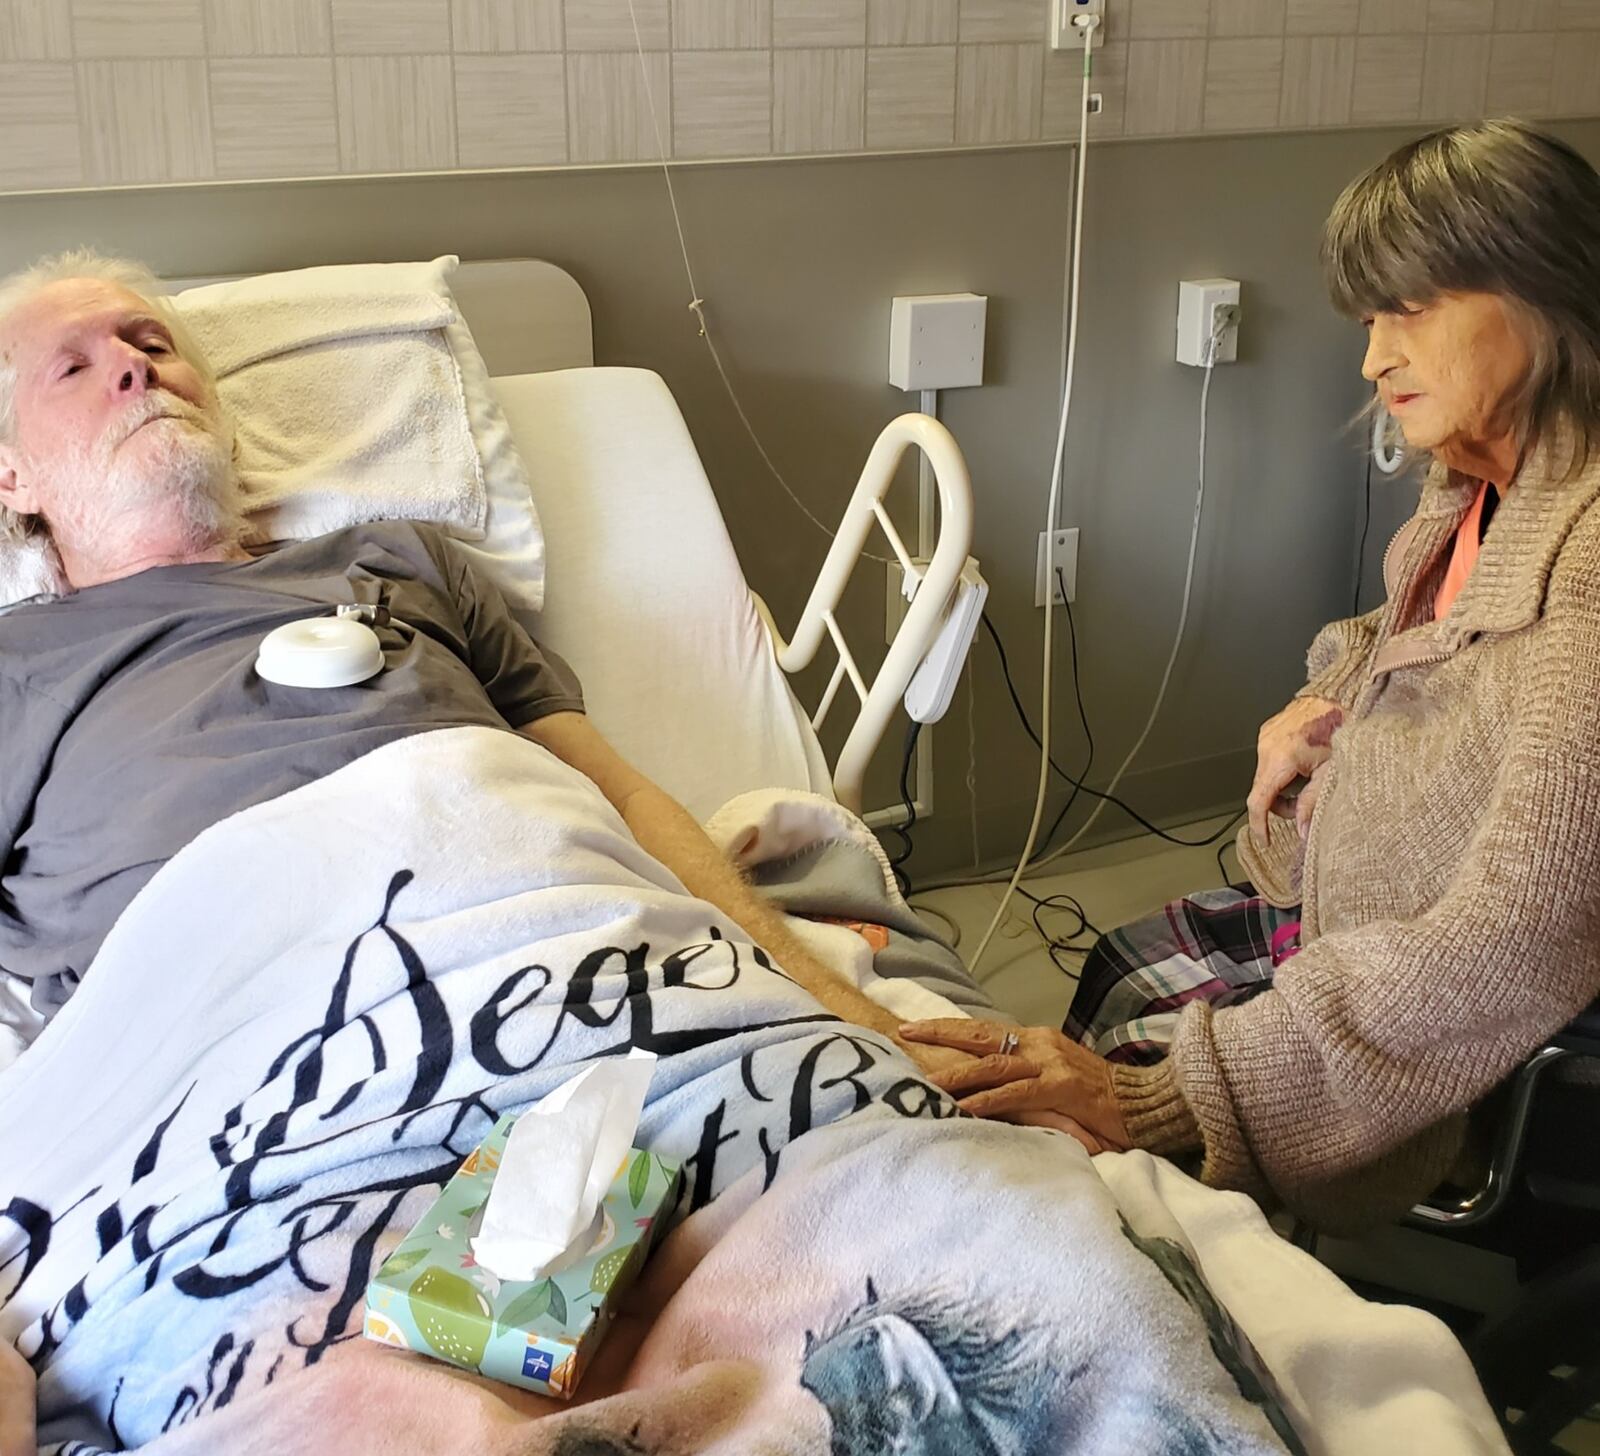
pixel 1055 944
pixel 1083 716
pixel 1361 551
pixel 1078 786
pixel 1222 868
pixel 908 803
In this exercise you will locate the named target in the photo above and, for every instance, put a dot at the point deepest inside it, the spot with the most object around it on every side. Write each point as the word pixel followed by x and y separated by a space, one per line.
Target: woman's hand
pixel 1294 744
pixel 1305 802
pixel 1048 1081
pixel 936 1063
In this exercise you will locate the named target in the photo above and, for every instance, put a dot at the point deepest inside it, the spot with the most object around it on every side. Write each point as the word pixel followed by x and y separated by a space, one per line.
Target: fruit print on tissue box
pixel 430 1295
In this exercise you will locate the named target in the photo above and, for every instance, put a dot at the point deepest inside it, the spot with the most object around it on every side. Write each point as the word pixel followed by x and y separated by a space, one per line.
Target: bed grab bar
pixel 935 590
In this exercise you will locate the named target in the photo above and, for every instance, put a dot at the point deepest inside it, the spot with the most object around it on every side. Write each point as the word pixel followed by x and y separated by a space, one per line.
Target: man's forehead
pixel 66 304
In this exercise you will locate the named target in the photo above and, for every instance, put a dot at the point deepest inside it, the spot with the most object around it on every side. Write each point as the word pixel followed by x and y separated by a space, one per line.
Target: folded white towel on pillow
pixel 347 398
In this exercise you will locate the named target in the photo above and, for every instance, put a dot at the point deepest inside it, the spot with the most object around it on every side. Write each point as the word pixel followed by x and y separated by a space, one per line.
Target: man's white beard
pixel 174 482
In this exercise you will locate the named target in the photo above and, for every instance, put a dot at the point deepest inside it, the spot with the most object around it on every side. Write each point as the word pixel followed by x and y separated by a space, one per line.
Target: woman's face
pixel 1446 370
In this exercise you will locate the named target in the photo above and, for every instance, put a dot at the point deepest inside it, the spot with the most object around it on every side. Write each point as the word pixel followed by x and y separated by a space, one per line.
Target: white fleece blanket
pixel 1356 1377
pixel 311 1014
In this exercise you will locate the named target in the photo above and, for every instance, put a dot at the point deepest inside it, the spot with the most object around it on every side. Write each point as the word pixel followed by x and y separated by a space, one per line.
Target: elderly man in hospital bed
pixel 294 951
pixel 131 715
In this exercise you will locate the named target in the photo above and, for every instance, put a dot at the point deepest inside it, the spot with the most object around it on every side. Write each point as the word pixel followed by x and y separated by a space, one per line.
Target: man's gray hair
pixel 1495 207
pixel 17 288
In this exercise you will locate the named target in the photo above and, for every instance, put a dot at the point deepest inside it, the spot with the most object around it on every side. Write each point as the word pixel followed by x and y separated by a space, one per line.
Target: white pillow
pixel 28 568
pixel 511 550
pixel 509 544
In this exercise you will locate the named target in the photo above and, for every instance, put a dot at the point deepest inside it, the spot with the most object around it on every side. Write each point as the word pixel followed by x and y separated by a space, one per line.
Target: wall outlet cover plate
pixel 1057 550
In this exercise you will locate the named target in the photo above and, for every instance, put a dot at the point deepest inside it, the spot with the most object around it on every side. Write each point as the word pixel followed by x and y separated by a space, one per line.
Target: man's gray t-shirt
pixel 132 717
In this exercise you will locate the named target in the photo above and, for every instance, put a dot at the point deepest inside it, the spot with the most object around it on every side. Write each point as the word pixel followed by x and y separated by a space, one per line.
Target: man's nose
pixel 132 370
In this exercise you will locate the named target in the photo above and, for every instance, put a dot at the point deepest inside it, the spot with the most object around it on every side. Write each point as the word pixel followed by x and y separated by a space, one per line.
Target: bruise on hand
pixel 1320 730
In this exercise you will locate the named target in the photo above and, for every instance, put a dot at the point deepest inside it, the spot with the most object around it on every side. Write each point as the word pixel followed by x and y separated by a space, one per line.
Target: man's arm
pixel 665 829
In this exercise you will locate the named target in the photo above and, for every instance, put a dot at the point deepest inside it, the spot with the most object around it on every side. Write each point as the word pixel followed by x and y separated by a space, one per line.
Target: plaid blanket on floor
pixel 1215 946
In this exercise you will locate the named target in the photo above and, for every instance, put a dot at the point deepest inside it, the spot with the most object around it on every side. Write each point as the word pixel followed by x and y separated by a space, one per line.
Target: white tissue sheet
pixel 562 1156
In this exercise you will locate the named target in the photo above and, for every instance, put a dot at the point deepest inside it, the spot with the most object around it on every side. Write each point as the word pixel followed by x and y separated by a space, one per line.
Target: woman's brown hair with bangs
pixel 1494 207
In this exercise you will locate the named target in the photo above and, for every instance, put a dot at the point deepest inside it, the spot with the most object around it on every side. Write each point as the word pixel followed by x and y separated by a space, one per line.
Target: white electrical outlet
pixel 1066 33
pixel 1058 552
pixel 1200 300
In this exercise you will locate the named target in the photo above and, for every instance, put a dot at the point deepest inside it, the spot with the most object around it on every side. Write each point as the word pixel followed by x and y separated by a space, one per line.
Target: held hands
pixel 1293 745
pixel 1048 1081
pixel 936 1063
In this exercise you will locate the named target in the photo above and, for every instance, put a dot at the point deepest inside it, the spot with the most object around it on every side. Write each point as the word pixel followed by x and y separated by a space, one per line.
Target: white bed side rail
pixel 923 618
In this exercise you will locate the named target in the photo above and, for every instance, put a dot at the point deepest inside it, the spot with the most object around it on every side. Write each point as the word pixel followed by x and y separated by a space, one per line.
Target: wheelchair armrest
pixel 1580 1038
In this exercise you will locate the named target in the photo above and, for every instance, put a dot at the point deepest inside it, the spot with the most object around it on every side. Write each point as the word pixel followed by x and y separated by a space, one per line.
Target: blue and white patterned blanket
pixel 313 1013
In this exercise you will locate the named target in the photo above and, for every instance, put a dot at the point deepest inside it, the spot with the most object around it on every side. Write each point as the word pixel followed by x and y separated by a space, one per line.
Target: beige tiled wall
pixel 104 92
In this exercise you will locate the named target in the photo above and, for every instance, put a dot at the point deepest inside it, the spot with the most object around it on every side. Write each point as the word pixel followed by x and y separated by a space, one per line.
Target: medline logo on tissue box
pixel 431 1295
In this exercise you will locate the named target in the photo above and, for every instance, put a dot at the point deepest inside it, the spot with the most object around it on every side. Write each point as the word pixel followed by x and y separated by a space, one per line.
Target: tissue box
pixel 429 1295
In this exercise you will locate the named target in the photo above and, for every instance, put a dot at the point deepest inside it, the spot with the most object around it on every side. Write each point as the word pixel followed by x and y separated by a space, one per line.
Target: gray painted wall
pixel 798 262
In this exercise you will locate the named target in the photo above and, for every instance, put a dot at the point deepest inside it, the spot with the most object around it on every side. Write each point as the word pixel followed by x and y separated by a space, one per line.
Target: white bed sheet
pixel 644 594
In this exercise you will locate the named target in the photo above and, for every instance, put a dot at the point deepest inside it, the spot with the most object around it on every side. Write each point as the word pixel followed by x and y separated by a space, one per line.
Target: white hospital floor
pixel 1117 884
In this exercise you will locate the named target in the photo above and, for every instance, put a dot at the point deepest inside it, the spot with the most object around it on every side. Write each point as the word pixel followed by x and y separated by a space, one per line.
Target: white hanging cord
pixel 1188 593
pixel 697 305
pixel 1043 790
pixel 972 762
pixel 1388 446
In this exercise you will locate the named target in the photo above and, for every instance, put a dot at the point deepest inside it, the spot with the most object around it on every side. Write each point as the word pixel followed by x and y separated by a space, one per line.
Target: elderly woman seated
pixel 1427 909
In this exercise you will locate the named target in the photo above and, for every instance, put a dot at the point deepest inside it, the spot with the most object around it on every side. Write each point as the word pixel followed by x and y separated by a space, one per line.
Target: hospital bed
pixel 685 615
pixel 681 668
pixel 652 608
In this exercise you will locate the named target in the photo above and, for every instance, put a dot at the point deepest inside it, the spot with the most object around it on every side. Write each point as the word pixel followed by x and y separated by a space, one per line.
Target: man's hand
pixel 1048 1081
pixel 17 1403
pixel 1294 744
pixel 1073 1129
